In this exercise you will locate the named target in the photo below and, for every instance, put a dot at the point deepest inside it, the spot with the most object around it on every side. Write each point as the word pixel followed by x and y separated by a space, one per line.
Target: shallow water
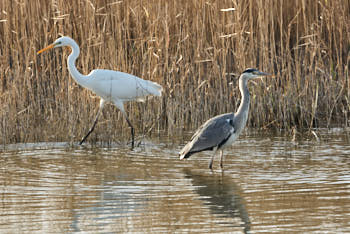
pixel 268 185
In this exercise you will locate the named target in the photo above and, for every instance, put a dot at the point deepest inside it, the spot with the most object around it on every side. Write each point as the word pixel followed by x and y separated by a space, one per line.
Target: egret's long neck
pixel 243 109
pixel 78 77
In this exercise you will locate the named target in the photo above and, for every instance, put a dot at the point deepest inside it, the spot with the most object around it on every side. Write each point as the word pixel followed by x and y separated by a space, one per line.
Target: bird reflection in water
pixel 222 196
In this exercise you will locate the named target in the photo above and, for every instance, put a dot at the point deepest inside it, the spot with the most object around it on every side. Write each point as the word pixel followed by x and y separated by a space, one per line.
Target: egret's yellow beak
pixel 46 48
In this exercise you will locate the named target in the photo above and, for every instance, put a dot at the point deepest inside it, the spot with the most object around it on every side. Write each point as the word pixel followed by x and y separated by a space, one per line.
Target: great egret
pixel 111 86
pixel 222 130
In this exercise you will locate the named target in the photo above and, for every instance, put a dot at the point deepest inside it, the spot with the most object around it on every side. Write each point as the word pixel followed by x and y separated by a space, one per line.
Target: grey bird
pixel 222 130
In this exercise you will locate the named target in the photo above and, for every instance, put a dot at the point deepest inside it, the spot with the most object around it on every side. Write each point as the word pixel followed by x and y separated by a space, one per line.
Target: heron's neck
pixel 77 76
pixel 243 109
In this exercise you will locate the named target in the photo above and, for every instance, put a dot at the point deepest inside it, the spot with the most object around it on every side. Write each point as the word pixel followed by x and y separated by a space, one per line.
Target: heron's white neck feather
pixel 243 109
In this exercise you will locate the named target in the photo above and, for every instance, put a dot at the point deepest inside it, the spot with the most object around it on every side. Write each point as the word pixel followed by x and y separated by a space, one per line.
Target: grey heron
pixel 222 130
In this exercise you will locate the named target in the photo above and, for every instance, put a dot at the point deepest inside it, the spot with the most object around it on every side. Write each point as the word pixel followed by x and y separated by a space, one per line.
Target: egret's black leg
pixel 132 132
pixel 92 127
pixel 94 124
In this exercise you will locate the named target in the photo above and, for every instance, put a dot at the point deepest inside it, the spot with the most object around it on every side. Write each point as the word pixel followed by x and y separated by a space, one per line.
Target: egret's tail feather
pixel 154 88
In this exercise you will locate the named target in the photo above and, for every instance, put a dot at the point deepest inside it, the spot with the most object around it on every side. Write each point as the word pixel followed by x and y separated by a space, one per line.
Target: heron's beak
pixel 263 74
pixel 46 48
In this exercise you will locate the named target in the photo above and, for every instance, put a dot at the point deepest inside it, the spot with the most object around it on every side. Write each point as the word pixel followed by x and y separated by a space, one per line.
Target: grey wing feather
pixel 211 134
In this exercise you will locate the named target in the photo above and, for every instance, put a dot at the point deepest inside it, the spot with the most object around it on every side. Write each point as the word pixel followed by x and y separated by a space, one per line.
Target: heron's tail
pixel 186 151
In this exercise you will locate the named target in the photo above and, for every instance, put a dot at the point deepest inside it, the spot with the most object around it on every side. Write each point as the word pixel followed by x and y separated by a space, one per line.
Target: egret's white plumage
pixel 111 86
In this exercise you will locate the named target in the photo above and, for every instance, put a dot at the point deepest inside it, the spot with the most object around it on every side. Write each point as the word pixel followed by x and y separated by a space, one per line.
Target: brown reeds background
pixel 195 49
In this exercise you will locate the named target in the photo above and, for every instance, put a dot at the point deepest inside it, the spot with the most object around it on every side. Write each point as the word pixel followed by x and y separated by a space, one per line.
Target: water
pixel 268 185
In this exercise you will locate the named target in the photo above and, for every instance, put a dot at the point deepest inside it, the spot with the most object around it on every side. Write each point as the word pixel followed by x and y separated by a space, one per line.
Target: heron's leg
pixel 212 159
pixel 221 158
pixel 94 124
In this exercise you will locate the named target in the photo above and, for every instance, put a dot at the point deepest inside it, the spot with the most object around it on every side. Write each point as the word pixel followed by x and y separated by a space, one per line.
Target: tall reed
pixel 196 49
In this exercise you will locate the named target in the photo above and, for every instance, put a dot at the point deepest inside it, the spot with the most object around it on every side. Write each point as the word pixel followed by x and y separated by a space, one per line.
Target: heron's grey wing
pixel 187 149
pixel 198 131
pixel 212 133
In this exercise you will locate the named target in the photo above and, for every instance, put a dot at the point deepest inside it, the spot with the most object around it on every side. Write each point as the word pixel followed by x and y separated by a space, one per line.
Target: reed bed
pixel 195 49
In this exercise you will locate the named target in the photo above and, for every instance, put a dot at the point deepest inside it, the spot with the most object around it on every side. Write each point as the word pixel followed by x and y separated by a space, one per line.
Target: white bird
pixel 221 131
pixel 111 86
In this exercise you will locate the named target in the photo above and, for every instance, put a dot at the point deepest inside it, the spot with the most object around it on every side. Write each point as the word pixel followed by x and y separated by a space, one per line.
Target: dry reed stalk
pixel 190 47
